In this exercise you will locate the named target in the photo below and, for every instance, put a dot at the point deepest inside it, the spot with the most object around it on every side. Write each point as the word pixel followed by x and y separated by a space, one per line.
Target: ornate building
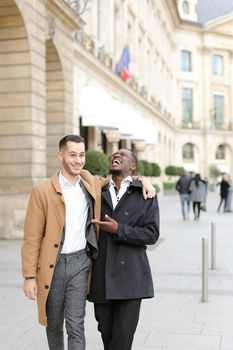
pixel 170 98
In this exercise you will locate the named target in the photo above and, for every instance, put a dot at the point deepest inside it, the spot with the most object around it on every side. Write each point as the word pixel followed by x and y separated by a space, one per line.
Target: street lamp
pixel 79 6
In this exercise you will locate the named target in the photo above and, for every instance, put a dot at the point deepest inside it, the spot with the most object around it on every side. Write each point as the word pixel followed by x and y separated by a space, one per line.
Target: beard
pixel 116 172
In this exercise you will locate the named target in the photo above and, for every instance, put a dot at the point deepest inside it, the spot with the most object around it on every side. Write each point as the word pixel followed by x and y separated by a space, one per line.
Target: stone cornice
pixel 173 11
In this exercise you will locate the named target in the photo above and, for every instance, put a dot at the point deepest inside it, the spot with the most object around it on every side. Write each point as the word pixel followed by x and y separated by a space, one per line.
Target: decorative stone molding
pixel 134 84
pixel 139 146
pixel 143 92
pixel 113 136
pixel 51 27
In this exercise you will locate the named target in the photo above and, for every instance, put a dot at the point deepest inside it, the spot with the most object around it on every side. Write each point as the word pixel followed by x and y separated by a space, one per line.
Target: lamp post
pixel 79 6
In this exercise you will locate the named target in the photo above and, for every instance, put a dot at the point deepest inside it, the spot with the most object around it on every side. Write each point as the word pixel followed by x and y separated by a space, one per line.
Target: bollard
pixel 213 246
pixel 204 270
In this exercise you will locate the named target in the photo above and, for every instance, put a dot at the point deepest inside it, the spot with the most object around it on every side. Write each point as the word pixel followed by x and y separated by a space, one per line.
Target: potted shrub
pixel 97 163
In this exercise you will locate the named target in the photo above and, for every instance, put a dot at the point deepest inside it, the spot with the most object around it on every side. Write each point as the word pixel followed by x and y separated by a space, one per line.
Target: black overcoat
pixel 224 188
pixel 121 270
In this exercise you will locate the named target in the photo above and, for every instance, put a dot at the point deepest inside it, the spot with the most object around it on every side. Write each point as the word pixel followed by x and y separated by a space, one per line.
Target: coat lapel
pixel 60 210
pixel 107 197
pixel 89 188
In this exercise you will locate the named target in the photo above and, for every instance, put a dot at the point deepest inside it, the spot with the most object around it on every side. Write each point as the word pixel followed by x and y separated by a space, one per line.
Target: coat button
pixel 122 262
pixel 46 286
pixel 55 245
pixel 126 213
pixel 51 266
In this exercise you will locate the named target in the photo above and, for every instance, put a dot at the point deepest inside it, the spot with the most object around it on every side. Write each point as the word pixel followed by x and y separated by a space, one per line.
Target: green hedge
pixel 156 171
pixel 140 168
pixel 169 185
pixel 214 171
pixel 97 163
pixel 173 170
pixel 148 169
pixel 157 188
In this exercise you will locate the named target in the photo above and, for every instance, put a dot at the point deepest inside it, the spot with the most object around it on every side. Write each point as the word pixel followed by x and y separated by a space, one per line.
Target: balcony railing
pixel 191 125
pixel 223 125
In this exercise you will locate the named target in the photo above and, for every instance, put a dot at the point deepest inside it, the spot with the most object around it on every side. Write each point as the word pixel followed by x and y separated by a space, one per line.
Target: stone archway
pixel 15 118
pixel 55 105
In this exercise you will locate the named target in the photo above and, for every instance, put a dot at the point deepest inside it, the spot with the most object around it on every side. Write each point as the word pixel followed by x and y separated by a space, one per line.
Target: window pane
pixel 185 7
pixel 217 65
pixel 220 153
pixel 186 61
pixel 218 109
pixel 188 151
pixel 187 105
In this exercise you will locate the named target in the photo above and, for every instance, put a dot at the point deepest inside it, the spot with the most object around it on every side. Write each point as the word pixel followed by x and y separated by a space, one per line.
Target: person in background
pixel 229 196
pixel 224 190
pixel 198 194
pixel 182 186
pixel 203 204
pixel 121 275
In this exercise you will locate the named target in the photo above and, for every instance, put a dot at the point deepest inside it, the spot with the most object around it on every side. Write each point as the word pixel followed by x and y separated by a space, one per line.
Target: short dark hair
pixel 72 138
pixel 132 155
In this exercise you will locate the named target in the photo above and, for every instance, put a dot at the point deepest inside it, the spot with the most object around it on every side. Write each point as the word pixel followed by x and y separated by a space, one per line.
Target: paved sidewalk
pixel 175 319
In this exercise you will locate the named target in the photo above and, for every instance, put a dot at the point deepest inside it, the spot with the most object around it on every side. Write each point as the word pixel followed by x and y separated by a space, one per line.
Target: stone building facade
pixel 57 76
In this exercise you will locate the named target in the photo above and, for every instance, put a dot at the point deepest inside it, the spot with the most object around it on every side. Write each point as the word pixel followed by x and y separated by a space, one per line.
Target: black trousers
pixel 223 199
pixel 196 209
pixel 117 323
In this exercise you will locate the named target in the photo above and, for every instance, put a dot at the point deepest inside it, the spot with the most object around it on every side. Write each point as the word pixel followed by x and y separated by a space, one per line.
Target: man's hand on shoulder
pixel 148 189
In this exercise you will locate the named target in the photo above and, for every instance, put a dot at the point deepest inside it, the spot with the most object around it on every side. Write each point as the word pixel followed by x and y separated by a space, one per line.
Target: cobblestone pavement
pixel 175 319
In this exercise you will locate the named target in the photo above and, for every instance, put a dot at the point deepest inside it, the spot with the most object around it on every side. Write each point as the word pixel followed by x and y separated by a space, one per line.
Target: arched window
pixel 185 6
pixel 221 152
pixel 188 152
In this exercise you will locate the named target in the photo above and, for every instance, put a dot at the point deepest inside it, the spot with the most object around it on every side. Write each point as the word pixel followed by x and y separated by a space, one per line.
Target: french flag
pixel 122 67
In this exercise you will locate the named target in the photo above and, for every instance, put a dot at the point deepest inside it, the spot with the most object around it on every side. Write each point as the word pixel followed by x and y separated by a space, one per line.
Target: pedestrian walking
pixel 229 196
pixel 203 204
pixel 224 190
pixel 182 186
pixel 59 242
pixel 121 275
pixel 198 194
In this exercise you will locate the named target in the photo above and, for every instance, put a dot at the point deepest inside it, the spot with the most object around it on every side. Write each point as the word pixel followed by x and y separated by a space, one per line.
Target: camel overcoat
pixel 43 231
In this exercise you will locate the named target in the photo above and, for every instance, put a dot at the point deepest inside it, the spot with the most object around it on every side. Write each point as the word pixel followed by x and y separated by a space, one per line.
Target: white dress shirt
pixel 76 215
pixel 117 196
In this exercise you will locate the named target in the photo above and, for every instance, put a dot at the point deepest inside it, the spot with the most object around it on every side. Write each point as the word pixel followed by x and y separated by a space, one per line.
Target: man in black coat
pixel 121 274
pixel 224 189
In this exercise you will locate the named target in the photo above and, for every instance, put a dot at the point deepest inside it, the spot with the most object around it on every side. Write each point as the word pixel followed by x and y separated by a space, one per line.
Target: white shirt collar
pixel 66 183
pixel 126 180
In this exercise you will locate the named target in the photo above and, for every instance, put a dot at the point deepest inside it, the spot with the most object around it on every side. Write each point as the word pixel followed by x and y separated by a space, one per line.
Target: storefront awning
pixel 99 109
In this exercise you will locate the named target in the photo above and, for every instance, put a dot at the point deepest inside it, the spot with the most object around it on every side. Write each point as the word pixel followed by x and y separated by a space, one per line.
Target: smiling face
pixel 122 163
pixel 72 157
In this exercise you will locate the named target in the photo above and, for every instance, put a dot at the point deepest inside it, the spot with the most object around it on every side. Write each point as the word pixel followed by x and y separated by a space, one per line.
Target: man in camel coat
pixel 59 242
